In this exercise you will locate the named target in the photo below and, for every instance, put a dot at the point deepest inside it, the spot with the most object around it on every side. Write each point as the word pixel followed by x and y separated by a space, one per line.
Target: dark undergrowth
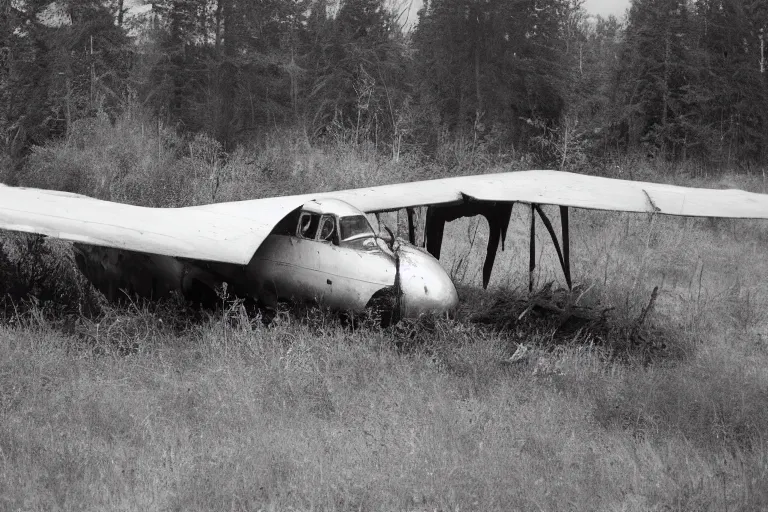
pixel 39 281
pixel 38 276
pixel 551 317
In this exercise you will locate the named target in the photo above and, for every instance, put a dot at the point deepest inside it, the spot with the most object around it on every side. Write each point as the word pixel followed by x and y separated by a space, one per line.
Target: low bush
pixel 39 276
pixel 135 160
pixel 130 160
pixel 550 317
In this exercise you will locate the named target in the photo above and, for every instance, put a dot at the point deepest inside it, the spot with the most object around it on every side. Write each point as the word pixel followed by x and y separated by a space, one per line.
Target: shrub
pixel 40 275
pixel 551 317
pixel 285 163
pixel 131 160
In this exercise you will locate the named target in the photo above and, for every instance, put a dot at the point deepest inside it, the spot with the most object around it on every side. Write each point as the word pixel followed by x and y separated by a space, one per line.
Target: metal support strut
pixel 411 227
pixel 562 254
pixel 532 260
pixel 566 245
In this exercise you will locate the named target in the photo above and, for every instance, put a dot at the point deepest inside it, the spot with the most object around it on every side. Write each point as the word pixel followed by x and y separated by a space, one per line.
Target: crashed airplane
pixel 321 247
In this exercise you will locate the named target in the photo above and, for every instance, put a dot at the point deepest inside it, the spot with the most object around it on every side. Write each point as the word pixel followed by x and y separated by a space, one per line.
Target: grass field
pixel 142 408
pixel 309 415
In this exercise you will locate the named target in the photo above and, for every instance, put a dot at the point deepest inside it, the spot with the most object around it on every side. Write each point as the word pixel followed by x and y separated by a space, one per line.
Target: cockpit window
pixel 308 223
pixel 354 226
pixel 327 229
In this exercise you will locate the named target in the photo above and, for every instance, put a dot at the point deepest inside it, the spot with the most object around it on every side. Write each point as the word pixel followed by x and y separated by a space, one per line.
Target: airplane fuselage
pixel 348 276
pixel 339 276
pixel 325 253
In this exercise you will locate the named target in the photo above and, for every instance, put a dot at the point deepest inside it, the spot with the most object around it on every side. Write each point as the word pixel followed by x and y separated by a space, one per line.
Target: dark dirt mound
pixel 555 316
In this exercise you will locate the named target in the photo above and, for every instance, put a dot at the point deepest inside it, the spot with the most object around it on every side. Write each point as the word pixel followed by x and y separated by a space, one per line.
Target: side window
pixel 307 227
pixel 328 229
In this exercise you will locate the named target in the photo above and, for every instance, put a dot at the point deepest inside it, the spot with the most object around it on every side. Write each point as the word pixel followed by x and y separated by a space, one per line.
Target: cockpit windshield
pixel 354 226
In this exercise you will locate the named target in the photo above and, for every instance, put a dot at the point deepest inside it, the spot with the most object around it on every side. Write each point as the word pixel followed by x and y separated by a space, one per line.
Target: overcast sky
pixel 602 7
pixel 606 7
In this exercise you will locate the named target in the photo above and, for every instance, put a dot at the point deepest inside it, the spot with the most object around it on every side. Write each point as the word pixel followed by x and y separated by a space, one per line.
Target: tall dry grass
pixel 141 408
pixel 139 160
pixel 307 414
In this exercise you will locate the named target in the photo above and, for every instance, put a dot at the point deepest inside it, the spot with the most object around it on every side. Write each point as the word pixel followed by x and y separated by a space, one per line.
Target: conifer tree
pixel 484 63
pixel 61 61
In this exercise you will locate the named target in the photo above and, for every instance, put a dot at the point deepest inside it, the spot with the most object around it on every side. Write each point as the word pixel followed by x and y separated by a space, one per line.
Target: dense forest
pixel 678 80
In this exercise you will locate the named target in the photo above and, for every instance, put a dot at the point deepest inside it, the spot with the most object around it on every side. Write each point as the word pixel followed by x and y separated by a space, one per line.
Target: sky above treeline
pixel 602 7
pixel 607 7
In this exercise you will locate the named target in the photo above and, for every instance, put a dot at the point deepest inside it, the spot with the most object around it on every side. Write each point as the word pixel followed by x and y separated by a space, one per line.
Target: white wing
pixel 545 187
pixel 231 232
pixel 180 232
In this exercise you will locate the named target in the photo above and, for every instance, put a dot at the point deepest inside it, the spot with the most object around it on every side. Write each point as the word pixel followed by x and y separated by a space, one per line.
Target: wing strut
pixel 562 254
pixel 532 246
pixel 411 227
pixel 566 245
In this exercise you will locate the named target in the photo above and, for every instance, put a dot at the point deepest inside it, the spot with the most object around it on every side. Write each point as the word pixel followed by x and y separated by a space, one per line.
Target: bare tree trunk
pixel 478 96
pixel 665 96
pixel 120 12
pixel 6 63
pixel 93 77
pixel 227 74
pixel 68 104
pixel 217 36
pixel 566 134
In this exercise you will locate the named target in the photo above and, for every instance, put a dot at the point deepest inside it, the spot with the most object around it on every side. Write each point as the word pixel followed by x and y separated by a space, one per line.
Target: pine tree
pixel 736 101
pixel 61 61
pixel 654 72
pixel 358 71
pixel 484 63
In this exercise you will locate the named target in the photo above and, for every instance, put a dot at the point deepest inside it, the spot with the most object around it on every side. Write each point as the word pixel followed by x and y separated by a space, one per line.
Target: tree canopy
pixel 676 79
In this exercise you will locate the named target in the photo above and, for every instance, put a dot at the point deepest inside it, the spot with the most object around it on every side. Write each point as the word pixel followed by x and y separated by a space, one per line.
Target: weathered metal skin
pixel 343 268
pixel 425 286
pixel 341 277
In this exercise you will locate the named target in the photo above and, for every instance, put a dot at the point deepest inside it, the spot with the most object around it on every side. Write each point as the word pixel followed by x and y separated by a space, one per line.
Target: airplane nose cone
pixel 426 287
